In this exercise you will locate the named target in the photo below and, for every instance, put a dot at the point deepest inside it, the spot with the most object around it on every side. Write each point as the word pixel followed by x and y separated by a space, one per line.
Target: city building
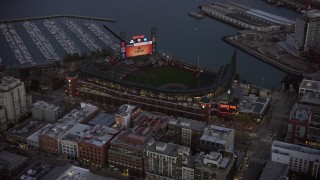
pixel 102 119
pixel 309 86
pixel 19 135
pixel 37 171
pixel 48 138
pixel 71 84
pixel 12 100
pixel 307 31
pixel 94 145
pixel 185 132
pixel 311 99
pixel 165 160
pixel 215 166
pixel 33 139
pixel 45 112
pixel 254 104
pixel 125 115
pixel 313 129
pixel 73 172
pixel 68 142
pixel 12 164
pixel 126 149
pixel 298 158
pixel 274 170
pixel 216 138
pixel 298 123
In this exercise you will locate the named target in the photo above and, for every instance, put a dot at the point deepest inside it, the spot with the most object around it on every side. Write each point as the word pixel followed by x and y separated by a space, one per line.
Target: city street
pixel 258 144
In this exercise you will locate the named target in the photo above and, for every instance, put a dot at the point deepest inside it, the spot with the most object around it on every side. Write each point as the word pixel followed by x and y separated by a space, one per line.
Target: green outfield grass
pixel 157 76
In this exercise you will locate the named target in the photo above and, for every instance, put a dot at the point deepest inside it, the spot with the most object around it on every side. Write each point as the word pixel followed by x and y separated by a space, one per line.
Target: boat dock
pixel 245 17
pixel 67 44
pixel 17 46
pixel 196 15
pixel 41 41
pixel 84 37
pixel 104 37
pixel 58 16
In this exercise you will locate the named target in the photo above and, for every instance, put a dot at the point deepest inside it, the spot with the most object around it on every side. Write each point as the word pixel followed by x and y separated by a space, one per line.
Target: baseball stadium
pixel 155 83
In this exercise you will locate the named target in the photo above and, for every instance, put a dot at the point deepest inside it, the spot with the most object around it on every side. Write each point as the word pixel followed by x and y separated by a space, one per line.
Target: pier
pixel 58 16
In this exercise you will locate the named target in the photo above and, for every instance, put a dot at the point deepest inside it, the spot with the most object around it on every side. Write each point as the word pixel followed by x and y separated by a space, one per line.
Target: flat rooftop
pixel 27 128
pixel 103 119
pixel 300 112
pixel 45 106
pixel 125 109
pixel 310 85
pixel 74 172
pixel 76 132
pixel 35 135
pixel 188 123
pixel 99 135
pixel 131 139
pixel 167 149
pixel 273 170
pixel 253 104
pixel 10 160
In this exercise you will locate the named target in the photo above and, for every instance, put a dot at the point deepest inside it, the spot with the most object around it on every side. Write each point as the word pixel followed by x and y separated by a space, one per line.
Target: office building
pixel 12 100
pixel 165 160
pixel 309 86
pixel 307 31
pixel 298 123
pixel 300 159
pixel 216 138
pixel 125 115
pixel 45 112
pixel 215 166
pixel 94 145
pixel 33 139
pixel 68 142
pixel 185 132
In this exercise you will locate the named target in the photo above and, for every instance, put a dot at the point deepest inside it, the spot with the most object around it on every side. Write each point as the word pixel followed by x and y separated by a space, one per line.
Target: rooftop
pixel 7 83
pixel 311 98
pixel 99 135
pixel 312 14
pixel 10 160
pixel 132 140
pixel 34 136
pixel 151 123
pixel 214 158
pixel 45 106
pixel 69 120
pixel 125 109
pixel 253 104
pixel 216 134
pixel 273 170
pixel 296 148
pixel 300 112
pixel 167 149
pixel 76 132
pixel 310 85
pixel 75 172
pixel 188 123
pixel 27 128
pixel 102 119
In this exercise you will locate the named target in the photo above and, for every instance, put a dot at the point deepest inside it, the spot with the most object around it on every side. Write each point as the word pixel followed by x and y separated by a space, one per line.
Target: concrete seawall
pixel 280 66
pixel 57 16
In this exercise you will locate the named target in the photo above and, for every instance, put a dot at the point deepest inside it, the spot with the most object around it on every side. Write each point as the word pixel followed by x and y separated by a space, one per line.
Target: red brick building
pixel 93 147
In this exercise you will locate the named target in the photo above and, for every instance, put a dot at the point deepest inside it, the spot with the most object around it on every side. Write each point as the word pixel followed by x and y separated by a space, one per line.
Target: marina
pixel 67 44
pixel 17 46
pixel 84 37
pixel 41 42
pixel 105 38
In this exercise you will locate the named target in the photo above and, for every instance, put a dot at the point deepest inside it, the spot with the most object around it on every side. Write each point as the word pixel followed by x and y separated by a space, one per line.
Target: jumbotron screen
pixel 139 49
